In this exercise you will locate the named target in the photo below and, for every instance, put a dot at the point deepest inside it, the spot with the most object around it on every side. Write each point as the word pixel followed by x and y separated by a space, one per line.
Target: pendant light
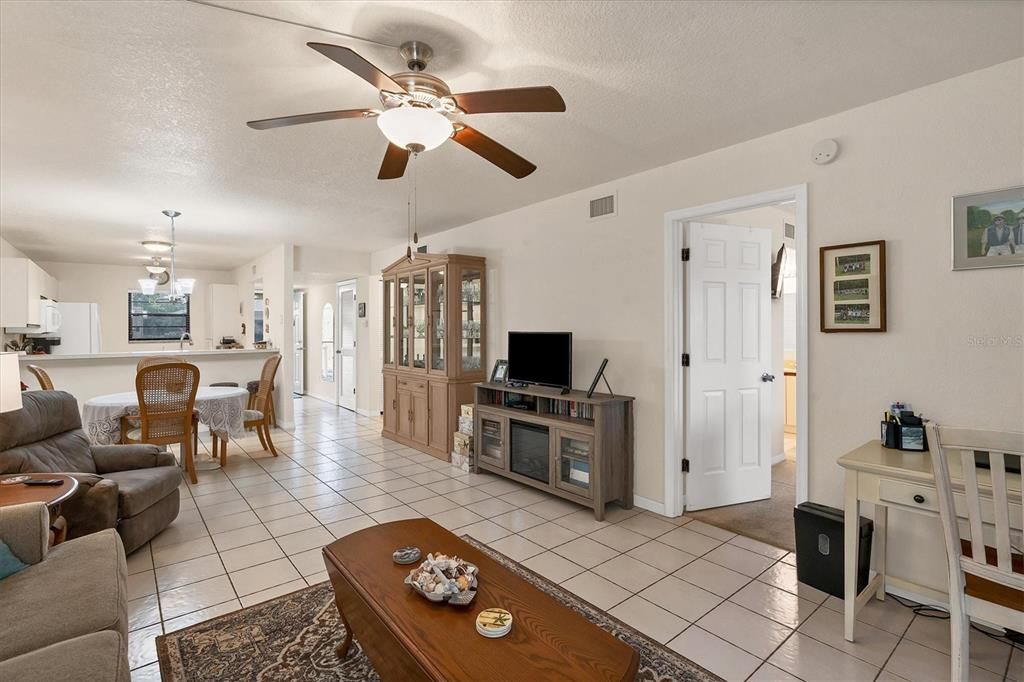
pixel 178 288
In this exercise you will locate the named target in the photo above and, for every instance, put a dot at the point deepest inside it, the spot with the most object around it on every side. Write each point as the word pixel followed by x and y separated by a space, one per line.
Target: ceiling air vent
pixel 604 206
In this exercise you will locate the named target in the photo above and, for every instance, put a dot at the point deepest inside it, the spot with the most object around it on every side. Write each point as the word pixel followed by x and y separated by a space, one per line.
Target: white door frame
pixel 299 338
pixel 346 285
pixel 675 339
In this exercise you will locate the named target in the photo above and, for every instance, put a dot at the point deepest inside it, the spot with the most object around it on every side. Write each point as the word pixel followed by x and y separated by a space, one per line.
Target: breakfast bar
pixel 90 375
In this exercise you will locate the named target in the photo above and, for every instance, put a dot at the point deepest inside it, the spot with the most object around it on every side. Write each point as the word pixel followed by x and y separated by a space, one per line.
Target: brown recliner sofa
pixel 133 488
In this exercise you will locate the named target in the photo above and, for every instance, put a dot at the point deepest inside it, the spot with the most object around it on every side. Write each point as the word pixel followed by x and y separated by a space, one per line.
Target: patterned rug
pixel 292 638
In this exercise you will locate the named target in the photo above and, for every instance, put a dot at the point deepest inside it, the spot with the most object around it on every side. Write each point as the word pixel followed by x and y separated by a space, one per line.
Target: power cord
pixel 1013 638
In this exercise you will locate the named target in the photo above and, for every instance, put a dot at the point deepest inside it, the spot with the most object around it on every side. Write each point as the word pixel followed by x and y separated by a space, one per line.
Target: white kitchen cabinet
pixel 22 284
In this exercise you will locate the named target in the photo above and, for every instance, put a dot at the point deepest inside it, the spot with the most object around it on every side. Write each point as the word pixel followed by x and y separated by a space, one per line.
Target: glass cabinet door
pixel 419 319
pixel 470 348
pixel 390 319
pixel 574 459
pixel 402 313
pixel 438 310
pixel 491 432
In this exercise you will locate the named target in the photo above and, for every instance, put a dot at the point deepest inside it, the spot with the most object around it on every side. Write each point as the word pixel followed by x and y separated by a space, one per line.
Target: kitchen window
pixel 153 317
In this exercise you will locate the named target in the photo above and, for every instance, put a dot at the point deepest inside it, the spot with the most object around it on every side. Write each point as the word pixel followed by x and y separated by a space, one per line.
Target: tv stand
pixel 577 447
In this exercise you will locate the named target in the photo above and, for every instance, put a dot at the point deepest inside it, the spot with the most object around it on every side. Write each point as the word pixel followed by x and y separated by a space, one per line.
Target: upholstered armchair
pixel 133 488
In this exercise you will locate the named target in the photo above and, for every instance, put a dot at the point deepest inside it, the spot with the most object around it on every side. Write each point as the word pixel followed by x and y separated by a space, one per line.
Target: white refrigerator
pixel 79 329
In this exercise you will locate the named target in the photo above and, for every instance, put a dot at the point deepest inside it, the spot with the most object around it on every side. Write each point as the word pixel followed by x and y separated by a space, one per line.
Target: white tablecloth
pixel 219 407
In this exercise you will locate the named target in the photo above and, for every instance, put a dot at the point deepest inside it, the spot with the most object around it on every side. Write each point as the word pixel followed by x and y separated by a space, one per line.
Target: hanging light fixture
pixel 156 267
pixel 156 246
pixel 415 128
pixel 148 286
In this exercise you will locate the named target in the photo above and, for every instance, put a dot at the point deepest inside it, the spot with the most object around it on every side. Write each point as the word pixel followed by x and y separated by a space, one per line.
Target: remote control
pixel 43 481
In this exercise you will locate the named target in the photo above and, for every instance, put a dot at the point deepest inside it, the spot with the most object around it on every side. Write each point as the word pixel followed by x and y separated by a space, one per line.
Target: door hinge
pixel 686 360
pixel 686 466
pixel 685 255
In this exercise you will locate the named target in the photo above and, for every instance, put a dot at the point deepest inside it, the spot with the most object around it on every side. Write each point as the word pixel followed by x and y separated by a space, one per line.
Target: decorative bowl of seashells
pixel 443 578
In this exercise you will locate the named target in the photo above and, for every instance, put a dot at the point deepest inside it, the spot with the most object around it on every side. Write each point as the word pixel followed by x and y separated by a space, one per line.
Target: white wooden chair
pixel 984 581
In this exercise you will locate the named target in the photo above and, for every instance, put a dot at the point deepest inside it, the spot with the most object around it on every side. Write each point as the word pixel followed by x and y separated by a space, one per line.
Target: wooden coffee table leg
pixel 342 649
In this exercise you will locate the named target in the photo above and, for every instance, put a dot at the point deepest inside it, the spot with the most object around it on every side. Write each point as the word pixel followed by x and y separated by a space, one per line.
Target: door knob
pixel 766 377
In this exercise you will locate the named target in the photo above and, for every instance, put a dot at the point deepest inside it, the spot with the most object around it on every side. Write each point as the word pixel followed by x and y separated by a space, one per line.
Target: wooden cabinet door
pixel 390 403
pixel 405 413
pixel 437 402
pixel 420 418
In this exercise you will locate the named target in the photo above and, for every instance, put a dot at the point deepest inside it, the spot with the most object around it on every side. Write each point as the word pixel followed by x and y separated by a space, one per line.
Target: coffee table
pixel 50 495
pixel 407 637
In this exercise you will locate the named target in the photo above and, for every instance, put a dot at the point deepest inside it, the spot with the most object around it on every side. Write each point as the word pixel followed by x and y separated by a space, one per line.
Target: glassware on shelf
pixel 437 319
pixel 419 318
pixel 470 347
pixel 402 313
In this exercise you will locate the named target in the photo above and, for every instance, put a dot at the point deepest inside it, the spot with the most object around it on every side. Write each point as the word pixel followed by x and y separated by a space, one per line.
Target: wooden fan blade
pixel 394 163
pixel 357 65
pixel 267 123
pixel 502 157
pixel 544 98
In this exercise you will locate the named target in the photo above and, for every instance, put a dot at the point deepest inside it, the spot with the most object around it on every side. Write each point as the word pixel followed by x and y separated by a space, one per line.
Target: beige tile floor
pixel 254 530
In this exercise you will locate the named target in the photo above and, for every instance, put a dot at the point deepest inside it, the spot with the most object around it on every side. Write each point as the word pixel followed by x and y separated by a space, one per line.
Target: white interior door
pixel 728 401
pixel 298 333
pixel 346 351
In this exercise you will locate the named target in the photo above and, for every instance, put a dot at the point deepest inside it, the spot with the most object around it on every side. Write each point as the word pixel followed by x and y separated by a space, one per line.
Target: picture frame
pixel 852 287
pixel 500 372
pixel 988 229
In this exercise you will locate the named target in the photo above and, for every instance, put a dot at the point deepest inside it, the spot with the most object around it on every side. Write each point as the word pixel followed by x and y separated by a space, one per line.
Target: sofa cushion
pixel 44 435
pixel 138 489
pixel 78 589
pixel 98 656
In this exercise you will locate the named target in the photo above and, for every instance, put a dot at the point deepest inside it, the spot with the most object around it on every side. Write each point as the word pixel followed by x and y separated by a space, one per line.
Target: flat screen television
pixel 543 358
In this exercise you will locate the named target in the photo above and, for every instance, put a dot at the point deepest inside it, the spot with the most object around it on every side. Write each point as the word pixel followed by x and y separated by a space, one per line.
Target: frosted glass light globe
pixel 414 128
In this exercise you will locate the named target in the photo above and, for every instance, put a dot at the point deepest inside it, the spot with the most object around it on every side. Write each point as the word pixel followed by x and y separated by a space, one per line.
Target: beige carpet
pixel 768 520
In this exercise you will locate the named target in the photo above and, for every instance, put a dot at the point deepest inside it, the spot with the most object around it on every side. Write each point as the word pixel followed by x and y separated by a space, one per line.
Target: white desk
pixel 902 480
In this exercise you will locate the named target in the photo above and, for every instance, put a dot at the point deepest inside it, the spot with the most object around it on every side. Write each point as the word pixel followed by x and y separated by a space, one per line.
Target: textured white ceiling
pixel 111 111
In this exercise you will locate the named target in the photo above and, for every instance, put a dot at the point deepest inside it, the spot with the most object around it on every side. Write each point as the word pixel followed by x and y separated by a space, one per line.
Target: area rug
pixel 292 638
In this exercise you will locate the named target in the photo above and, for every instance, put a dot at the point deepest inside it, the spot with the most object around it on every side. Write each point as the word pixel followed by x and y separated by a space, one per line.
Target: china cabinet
pixel 433 334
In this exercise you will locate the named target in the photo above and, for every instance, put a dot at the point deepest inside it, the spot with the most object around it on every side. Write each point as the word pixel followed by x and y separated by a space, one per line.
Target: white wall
pixel 7 250
pixel 273 272
pixel 901 160
pixel 108 285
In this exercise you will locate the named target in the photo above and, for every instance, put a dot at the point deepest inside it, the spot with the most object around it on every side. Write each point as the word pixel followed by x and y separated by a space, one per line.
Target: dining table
pixel 219 408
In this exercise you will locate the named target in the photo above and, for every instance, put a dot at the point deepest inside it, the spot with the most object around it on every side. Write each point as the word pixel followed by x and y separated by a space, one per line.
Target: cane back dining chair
pixel 129 423
pixel 167 397
pixel 261 416
pixel 41 376
pixel 985 581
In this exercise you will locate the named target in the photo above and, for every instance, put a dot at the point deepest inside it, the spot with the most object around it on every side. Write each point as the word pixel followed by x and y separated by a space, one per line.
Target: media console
pixel 567 444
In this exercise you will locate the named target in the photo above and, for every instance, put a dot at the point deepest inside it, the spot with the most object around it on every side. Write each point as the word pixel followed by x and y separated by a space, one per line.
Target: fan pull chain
pixel 408 226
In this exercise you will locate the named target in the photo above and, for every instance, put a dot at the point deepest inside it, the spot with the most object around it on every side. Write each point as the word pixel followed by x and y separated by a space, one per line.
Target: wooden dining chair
pixel 41 376
pixel 261 416
pixel 167 397
pixel 156 360
pixel 128 423
pixel 984 581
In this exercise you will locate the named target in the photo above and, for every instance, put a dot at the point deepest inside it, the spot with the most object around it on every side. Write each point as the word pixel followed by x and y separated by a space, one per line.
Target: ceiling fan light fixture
pixel 415 128
pixel 156 246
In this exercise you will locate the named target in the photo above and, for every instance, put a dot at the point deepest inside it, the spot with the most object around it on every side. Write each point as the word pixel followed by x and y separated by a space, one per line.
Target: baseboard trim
pixel 649 505
pixel 778 457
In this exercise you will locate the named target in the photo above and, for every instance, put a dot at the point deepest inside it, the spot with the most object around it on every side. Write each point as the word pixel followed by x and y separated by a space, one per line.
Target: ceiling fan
pixel 420 112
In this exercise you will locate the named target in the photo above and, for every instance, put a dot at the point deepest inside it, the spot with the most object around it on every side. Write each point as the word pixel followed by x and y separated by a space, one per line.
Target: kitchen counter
pixel 90 375
pixel 138 354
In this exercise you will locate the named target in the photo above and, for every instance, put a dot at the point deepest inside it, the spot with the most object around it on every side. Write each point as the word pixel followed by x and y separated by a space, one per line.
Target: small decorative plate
pixel 406 555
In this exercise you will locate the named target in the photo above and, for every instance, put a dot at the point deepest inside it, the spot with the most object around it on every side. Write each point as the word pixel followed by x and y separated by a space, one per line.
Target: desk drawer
pixel 908 495
pixel 925 497
pixel 413 385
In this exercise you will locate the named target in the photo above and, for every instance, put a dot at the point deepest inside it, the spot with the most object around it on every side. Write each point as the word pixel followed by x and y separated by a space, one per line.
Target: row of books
pixel 571 408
